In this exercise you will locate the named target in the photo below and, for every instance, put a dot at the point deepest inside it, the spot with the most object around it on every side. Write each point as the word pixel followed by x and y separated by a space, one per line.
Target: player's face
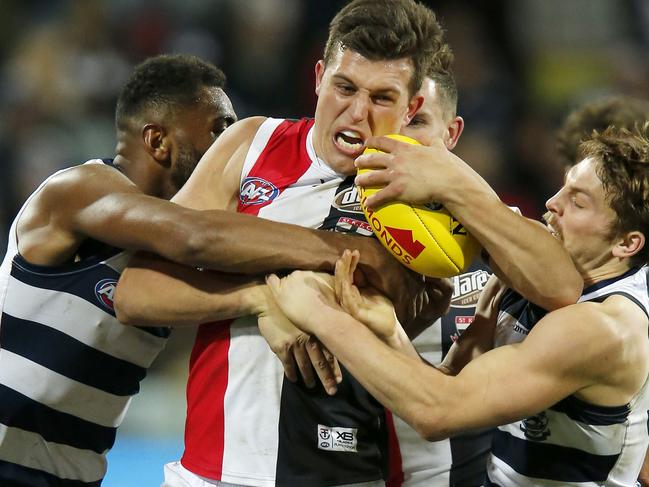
pixel 581 218
pixel 358 98
pixel 429 122
pixel 195 130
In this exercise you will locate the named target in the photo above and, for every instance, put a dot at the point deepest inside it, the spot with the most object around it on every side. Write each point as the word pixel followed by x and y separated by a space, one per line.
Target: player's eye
pixel 417 120
pixel 346 89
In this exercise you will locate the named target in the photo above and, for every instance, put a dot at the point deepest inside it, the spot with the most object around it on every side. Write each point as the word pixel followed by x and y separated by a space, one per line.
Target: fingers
pixel 374 179
pixel 350 299
pixel 344 270
pixel 303 360
pixel 333 364
pixel 273 283
pixel 439 286
pixel 344 275
pixel 384 144
pixel 353 263
pixel 288 362
pixel 389 193
pixel 373 160
pixel 323 366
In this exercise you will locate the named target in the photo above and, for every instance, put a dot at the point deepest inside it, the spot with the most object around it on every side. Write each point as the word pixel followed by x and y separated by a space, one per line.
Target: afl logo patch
pixel 105 290
pixel 257 191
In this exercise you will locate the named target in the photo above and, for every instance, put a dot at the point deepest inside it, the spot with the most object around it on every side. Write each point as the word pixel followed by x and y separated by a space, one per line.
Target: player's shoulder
pixel 608 324
pixel 92 175
pixel 236 140
pixel 245 128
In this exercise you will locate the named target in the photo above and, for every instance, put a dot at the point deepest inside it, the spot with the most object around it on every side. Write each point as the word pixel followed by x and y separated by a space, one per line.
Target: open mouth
pixel 547 218
pixel 350 142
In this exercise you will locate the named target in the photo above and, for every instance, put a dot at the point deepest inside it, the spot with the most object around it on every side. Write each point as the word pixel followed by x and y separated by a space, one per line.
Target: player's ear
pixel 629 244
pixel 455 129
pixel 319 73
pixel 157 143
pixel 413 107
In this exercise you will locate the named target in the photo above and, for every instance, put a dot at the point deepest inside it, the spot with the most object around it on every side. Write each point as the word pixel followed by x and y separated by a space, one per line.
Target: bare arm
pixel 544 367
pixel 248 244
pixel 97 201
pixel 478 338
pixel 156 292
pixel 533 261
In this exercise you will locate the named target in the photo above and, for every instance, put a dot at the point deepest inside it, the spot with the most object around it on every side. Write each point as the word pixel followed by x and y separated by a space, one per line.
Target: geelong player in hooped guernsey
pixel 572 442
pixel 68 368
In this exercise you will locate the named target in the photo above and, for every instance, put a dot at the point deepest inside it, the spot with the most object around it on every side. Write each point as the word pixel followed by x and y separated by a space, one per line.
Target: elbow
pixel 428 419
pixel 565 294
pixel 122 311
pixel 430 428
pixel 125 306
pixel 553 292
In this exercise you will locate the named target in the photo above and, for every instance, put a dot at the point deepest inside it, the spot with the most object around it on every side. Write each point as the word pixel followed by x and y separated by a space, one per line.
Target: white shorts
pixel 178 476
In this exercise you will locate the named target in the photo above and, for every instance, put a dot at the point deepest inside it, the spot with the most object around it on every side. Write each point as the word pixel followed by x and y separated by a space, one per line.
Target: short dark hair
pixel 621 111
pixel 441 73
pixel 622 157
pixel 165 82
pixel 387 30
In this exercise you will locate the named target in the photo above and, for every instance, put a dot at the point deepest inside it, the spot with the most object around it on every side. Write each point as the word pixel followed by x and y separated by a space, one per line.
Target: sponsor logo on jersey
pixel 347 225
pixel 335 438
pixel 105 292
pixel 257 191
pixel 348 200
pixel 467 288
pixel 520 329
pixel 536 427
pixel 462 323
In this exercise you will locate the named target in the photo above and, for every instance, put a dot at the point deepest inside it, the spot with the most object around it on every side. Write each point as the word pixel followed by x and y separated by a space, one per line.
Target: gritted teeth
pixel 554 232
pixel 350 139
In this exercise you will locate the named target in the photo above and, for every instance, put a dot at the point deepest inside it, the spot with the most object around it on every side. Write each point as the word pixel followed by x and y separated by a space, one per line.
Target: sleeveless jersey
pixel 246 424
pixel 68 368
pixel 572 442
pixel 459 461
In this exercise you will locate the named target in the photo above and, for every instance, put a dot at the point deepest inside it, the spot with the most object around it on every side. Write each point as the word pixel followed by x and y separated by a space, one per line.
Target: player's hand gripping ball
pixel 426 239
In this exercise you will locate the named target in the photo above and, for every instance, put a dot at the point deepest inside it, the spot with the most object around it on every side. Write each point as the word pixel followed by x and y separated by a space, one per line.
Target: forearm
pixel 153 292
pixel 250 245
pixel 402 382
pixel 532 261
pixel 400 342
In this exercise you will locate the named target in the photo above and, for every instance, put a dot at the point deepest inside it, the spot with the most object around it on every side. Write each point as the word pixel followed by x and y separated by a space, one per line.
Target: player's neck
pixel 612 268
pixel 149 178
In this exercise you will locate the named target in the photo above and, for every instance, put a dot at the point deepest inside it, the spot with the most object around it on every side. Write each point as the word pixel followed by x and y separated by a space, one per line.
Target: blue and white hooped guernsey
pixel 573 443
pixel 68 368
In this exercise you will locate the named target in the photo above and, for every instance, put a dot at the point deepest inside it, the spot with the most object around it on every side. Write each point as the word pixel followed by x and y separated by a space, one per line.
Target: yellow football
pixel 426 239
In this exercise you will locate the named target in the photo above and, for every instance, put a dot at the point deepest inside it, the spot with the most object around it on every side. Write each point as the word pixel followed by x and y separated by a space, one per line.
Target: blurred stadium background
pixel 521 65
